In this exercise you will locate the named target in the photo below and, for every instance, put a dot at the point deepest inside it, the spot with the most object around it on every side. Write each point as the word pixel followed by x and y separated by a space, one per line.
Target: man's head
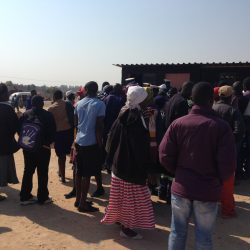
pixel 58 95
pixel 105 84
pixel 203 94
pixel 117 89
pixel 37 102
pixel 33 92
pixel 108 89
pixel 70 95
pixel 238 88
pixel 246 84
pixel 91 88
pixel 225 93
pixel 186 89
pixel 4 94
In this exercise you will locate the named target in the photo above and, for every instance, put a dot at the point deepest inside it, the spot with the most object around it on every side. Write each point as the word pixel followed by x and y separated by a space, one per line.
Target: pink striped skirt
pixel 130 205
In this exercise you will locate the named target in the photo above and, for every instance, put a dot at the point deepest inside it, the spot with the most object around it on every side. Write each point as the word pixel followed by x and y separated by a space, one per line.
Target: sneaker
pixel 30 201
pixel 135 237
pixel 99 192
pixel 2 198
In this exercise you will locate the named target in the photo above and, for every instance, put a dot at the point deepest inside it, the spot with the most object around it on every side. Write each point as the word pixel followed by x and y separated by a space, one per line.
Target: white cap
pixel 70 92
pixel 163 86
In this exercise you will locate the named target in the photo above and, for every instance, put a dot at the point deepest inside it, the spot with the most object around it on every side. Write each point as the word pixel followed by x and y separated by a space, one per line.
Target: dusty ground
pixel 60 226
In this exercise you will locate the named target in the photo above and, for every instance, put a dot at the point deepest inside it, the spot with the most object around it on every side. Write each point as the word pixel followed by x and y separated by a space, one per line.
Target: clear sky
pixel 73 41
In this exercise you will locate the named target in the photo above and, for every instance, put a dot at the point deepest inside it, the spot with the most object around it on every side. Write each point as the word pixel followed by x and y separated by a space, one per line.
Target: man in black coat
pixel 39 158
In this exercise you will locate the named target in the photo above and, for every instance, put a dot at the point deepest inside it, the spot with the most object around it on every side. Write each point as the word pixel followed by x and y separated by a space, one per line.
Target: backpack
pixel 30 138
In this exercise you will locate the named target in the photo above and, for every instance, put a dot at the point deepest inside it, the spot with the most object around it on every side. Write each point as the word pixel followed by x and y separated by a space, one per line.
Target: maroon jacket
pixel 199 149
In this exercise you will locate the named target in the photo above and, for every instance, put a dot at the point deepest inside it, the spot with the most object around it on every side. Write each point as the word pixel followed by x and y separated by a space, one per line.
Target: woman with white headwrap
pixel 128 149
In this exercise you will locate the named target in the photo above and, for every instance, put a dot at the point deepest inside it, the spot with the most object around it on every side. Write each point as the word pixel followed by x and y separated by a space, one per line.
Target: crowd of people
pixel 189 147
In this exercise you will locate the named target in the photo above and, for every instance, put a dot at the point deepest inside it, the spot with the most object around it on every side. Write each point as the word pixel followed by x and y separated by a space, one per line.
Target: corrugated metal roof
pixel 184 64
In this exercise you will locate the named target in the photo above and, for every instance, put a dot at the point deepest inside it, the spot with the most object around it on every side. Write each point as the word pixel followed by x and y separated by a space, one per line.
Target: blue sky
pixel 73 41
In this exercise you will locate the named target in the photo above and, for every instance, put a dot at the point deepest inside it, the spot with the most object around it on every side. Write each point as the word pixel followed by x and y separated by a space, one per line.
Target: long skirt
pixel 7 170
pixel 130 205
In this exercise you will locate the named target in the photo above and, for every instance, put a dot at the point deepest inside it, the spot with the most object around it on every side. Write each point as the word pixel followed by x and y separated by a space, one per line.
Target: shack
pixel 180 72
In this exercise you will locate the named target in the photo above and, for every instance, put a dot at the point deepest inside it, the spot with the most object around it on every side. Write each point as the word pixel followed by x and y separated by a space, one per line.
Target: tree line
pixel 44 90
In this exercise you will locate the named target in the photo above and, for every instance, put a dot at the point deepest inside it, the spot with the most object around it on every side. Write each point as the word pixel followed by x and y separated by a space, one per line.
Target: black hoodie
pixel 128 147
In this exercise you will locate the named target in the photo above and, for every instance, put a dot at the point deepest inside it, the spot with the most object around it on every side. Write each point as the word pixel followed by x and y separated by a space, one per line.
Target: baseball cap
pixel 225 91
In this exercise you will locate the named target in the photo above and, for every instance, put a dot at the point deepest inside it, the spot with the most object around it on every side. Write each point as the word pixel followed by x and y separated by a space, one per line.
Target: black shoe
pixel 76 204
pixel 70 195
pixel 88 209
pixel 99 192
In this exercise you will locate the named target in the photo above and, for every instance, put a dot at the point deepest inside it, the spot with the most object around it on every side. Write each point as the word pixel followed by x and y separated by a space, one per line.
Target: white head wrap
pixel 135 96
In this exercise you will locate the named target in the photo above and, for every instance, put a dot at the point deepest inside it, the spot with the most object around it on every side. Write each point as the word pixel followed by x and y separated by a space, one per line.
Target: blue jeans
pixel 204 220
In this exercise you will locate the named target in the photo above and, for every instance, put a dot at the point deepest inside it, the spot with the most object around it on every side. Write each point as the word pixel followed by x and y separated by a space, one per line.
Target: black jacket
pixel 8 129
pixel 232 116
pixel 47 121
pixel 175 108
pixel 128 147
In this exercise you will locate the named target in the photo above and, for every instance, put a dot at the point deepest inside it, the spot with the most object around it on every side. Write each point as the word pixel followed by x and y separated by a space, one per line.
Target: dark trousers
pixel 247 168
pixel 32 161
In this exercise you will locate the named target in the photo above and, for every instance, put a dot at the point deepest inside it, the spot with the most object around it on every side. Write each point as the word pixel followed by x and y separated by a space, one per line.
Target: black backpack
pixel 30 138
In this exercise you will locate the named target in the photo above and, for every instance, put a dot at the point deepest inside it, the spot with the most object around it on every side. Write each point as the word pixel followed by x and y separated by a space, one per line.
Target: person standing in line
pixel 199 150
pixel 89 113
pixel 114 102
pixel 28 104
pixel 70 107
pixel 240 102
pixel 64 131
pixel 233 117
pixel 246 86
pixel 8 144
pixel 37 133
pixel 128 149
pixel 176 107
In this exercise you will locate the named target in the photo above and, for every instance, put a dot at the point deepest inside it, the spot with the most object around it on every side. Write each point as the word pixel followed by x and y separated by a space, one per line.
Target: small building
pixel 178 73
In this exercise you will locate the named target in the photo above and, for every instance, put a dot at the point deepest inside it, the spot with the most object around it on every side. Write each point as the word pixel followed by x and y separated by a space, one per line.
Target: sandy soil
pixel 60 226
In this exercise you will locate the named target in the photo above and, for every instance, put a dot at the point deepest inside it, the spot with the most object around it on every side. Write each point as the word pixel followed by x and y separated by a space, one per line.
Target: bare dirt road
pixel 60 226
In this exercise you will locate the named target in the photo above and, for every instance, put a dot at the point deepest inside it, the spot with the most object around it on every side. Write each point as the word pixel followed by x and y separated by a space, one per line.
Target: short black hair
pixel 117 89
pixel 202 94
pixel 246 83
pixel 33 92
pixel 238 88
pixel 91 88
pixel 172 92
pixel 58 95
pixel 3 91
pixel 105 84
pixel 71 97
pixel 186 89
pixel 108 89
pixel 37 101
